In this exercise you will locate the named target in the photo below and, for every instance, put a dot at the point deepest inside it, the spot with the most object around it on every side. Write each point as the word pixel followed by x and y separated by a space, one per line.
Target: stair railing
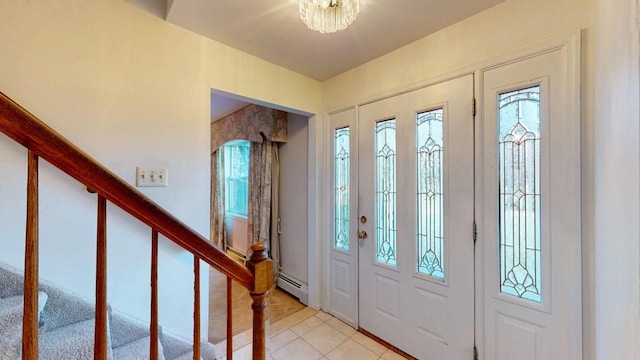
pixel 43 142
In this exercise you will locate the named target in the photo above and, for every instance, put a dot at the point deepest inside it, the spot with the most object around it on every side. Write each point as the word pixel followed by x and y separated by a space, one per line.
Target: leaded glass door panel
pixel 341 297
pixel 529 288
pixel 415 188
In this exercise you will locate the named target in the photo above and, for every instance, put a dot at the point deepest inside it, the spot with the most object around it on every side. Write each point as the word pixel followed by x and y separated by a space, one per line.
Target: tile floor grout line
pixel 335 325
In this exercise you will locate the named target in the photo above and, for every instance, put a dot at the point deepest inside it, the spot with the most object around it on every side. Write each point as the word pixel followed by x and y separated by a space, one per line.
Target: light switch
pixel 158 177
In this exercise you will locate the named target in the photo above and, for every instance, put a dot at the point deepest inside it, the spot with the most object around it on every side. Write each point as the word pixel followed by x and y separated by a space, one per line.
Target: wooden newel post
pixel 262 268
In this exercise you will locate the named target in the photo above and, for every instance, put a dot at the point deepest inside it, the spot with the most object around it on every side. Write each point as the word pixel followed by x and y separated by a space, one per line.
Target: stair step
pixel 138 350
pixel 73 341
pixel 65 315
pixel 11 310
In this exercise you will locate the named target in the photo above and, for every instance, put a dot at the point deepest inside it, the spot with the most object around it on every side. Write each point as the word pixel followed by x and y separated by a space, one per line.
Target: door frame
pixel 569 43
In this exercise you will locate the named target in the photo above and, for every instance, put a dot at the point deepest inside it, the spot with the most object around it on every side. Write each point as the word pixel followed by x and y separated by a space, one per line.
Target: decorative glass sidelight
pixel 430 206
pixel 342 178
pixel 519 193
pixel 385 190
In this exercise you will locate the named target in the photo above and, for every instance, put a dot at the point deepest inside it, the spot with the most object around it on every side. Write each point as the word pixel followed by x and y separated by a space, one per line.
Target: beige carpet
pixel 281 305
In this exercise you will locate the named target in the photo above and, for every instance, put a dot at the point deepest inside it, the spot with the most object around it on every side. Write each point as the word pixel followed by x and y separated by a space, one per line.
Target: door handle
pixel 362 234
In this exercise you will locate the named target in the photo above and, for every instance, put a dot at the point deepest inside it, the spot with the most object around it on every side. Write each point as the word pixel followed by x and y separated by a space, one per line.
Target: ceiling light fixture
pixel 328 16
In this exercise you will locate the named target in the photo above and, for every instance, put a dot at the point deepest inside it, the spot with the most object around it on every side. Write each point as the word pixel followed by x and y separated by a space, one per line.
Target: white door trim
pixel 315 222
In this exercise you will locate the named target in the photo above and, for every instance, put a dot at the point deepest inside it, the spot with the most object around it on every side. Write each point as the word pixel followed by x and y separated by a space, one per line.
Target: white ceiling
pixel 272 29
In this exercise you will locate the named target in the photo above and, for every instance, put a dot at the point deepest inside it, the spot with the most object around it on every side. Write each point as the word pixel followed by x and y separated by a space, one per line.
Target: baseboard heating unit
pixel 294 287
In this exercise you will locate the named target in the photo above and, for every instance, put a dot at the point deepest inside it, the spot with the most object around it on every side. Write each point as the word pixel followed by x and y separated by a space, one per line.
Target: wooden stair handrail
pixel 29 131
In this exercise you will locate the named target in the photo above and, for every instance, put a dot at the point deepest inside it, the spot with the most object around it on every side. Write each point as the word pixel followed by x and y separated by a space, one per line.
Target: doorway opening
pixel 234 163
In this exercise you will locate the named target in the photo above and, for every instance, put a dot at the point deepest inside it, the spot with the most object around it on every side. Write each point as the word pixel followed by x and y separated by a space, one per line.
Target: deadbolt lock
pixel 363 219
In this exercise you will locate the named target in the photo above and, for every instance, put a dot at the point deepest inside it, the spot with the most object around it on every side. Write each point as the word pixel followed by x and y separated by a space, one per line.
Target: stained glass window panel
pixel 430 206
pixel 385 189
pixel 519 193
pixel 342 165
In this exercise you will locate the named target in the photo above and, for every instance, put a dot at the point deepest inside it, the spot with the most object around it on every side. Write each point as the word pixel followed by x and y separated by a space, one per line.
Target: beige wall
pixel 129 89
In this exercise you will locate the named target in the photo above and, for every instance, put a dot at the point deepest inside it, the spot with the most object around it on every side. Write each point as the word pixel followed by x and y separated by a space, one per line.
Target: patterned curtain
pixel 218 214
pixel 275 211
pixel 259 213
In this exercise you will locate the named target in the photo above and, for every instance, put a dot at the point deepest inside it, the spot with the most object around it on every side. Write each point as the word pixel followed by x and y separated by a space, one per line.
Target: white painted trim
pixel 325 221
pixel 315 209
pixel 636 50
pixel 478 258
pixel 327 211
pixel 356 173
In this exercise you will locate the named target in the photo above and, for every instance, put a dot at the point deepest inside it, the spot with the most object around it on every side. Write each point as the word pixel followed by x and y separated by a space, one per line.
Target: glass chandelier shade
pixel 328 16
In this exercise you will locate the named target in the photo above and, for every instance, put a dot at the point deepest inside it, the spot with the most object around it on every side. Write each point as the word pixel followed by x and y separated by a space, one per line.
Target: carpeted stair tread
pixel 12 283
pixel 175 348
pixel 11 325
pixel 11 302
pixel 69 308
pixel 124 330
pixel 11 310
pixel 65 316
pixel 73 341
pixel 138 350
pixel 186 356
pixel 65 308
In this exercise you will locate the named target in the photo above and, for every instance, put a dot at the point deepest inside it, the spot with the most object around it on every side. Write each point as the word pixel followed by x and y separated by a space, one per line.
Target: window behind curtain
pixel 236 171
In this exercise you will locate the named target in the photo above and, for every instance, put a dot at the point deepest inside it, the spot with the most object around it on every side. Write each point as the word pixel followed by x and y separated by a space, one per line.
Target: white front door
pixel 403 181
pixel 415 220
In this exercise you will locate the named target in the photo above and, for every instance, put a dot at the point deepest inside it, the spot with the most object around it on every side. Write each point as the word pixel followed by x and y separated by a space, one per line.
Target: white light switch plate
pixel 157 177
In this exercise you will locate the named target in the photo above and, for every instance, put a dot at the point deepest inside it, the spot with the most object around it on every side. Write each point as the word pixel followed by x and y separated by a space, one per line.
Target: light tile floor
pixel 312 335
